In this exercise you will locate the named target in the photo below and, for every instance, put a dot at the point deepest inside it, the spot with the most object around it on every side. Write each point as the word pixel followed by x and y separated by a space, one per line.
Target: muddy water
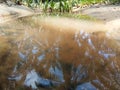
pixel 50 54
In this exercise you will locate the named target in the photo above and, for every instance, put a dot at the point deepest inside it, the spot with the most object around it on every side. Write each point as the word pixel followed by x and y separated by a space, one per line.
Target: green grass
pixel 87 2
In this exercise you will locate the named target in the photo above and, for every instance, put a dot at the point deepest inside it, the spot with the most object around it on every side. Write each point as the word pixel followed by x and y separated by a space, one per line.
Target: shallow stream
pixel 39 57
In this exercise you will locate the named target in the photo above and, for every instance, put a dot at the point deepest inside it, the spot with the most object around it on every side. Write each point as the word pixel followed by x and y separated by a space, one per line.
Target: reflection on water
pixel 33 56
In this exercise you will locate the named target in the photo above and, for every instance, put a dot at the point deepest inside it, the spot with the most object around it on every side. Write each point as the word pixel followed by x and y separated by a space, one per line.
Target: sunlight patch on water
pixel 15 77
pixel 106 55
pixel 32 79
pixel 22 56
pixel 90 43
pixel 79 74
pixel 35 50
pixel 57 73
pixel 86 86
pixel 41 57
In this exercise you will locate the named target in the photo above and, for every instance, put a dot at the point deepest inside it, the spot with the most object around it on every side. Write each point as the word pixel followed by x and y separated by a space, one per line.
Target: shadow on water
pixel 35 55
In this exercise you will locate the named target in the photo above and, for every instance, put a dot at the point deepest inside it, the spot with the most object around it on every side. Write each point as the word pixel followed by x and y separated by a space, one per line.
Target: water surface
pixel 43 55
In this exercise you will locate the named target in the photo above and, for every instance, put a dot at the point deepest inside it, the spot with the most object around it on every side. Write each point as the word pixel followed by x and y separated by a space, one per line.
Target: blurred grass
pixel 88 2
pixel 79 16
pixel 71 15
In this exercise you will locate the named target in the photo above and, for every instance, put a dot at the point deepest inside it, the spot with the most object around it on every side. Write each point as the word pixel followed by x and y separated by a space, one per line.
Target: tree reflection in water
pixel 38 56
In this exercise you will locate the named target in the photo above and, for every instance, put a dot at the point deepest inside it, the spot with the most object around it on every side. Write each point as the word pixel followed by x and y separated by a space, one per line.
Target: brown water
pixel 57 54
